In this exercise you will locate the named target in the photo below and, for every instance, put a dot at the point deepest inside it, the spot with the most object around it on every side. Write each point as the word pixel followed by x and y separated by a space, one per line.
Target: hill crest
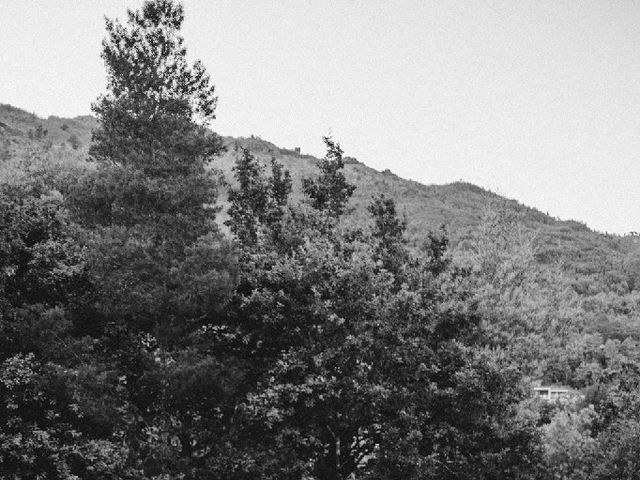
pixel 459 206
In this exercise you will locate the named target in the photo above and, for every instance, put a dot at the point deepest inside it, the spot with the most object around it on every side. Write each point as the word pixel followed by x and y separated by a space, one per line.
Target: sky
pixel 535 100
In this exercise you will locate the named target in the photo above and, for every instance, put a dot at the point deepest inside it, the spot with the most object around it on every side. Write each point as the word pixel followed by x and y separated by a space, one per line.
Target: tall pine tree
pixel 150 201
pixel 152 139
pixel 158 267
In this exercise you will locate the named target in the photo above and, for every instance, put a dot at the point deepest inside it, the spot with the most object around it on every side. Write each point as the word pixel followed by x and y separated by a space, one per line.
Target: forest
pixel 175 304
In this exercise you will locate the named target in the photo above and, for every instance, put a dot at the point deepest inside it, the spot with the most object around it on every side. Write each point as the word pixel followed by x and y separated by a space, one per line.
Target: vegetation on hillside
pixel 302 319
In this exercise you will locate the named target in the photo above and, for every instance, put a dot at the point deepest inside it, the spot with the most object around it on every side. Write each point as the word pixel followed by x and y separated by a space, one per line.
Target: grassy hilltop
pixel 459 206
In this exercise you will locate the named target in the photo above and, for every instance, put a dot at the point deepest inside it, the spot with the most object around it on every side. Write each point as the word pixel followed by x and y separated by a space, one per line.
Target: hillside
pixel 19 129
pixel 458 206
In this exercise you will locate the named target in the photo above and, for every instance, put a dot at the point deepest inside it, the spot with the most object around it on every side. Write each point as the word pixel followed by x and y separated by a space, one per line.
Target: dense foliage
pixel 318 337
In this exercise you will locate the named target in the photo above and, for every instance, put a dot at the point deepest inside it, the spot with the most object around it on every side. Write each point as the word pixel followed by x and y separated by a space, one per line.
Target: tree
pixel 364 360
pixel 159 270
pixel 59 414
pixel 152 144
pixel 529 310
pixel 330 192
pixel 156 98
pixel 258 202
pixel 41 264
pixel 388 234
pixel 74 141
pixel 618 451
pixel 42 420
pixel 568 444
pixel 151 200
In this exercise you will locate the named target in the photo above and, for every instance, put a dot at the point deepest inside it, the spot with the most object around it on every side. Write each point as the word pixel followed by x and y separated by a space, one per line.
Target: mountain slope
pixel 458 206
pixel 20 129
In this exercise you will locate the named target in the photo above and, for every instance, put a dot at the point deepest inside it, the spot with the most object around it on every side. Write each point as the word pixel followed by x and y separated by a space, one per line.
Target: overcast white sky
pixel 536 100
